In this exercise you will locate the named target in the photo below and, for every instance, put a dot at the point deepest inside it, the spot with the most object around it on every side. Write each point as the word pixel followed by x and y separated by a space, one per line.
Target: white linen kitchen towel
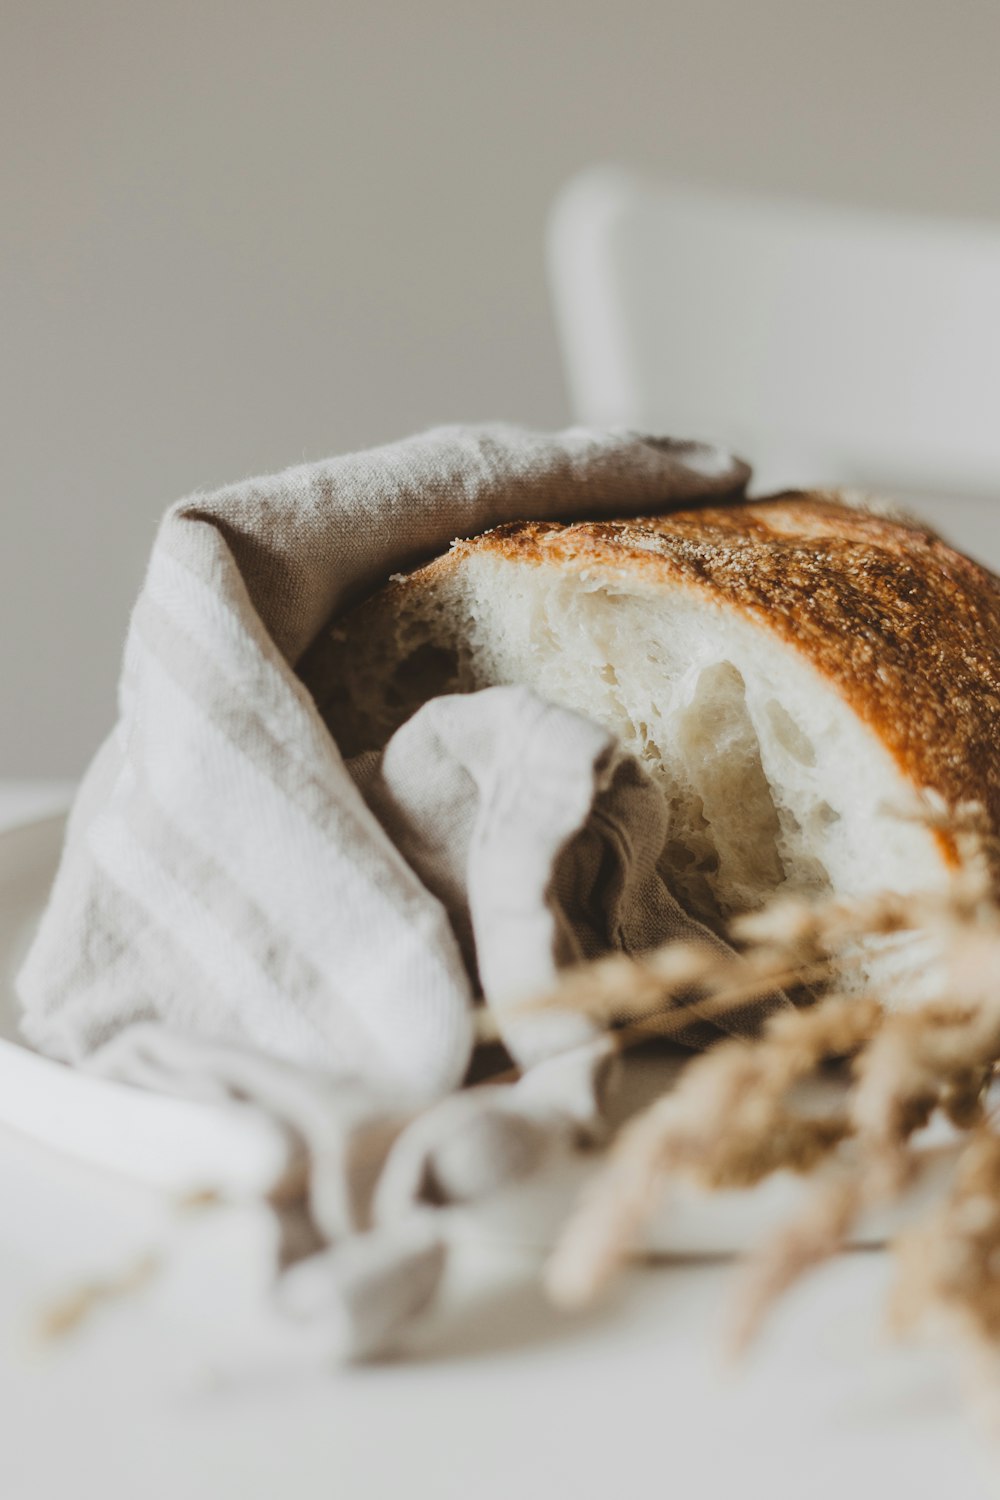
pixel 239 914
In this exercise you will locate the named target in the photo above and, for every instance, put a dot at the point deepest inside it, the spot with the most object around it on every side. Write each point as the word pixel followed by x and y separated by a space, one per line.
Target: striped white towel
pixel 233 917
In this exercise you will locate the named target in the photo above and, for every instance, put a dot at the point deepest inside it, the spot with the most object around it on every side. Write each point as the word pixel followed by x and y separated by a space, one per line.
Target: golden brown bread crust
pixel 904 627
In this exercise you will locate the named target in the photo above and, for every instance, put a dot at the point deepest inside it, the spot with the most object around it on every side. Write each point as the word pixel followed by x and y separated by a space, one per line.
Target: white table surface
pixel 185 1389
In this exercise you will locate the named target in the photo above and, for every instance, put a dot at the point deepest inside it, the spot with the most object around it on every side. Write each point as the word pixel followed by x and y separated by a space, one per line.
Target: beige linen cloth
pixel 240 915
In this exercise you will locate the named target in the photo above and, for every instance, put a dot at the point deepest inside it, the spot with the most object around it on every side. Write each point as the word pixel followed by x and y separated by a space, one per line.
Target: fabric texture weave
pixel 241 915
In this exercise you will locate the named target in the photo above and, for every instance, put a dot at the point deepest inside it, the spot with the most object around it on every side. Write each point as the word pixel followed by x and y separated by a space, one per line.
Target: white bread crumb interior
pixel 774 783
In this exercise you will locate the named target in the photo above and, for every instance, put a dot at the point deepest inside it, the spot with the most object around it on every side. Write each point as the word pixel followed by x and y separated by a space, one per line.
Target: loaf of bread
pixel 790 671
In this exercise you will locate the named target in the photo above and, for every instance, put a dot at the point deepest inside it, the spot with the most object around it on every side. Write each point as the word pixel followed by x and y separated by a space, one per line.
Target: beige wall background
pixel 241 235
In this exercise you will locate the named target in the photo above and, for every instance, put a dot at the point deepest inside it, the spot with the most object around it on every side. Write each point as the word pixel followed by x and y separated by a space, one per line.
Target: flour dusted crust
pixel 790 667
pixel 906 627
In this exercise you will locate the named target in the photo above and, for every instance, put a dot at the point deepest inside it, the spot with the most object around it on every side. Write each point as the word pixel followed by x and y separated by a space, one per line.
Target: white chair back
pixel 829 346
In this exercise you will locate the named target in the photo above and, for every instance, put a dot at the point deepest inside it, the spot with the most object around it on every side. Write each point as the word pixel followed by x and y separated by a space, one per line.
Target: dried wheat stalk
pixel 733 1118
pixel 951 1263
pixel 65 1315
pixel 742 1083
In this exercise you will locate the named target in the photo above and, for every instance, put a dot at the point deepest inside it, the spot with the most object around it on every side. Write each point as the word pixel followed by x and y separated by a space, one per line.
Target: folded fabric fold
pixel 239 915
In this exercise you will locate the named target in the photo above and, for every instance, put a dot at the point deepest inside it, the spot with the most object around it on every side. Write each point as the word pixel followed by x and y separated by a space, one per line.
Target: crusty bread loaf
pixel 790 670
